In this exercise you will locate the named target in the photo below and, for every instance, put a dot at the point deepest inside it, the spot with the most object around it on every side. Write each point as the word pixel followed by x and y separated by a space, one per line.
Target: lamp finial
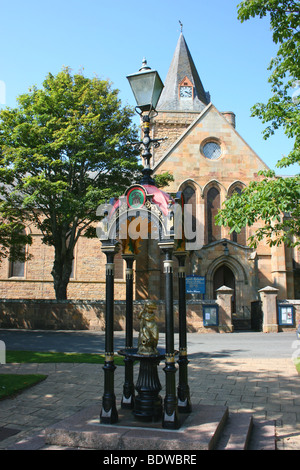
pixel 144 66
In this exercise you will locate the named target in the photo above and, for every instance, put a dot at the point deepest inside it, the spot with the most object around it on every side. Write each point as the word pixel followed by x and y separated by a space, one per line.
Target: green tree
pixel 163 180
pixel 13 237
pixel 64 151
pixel 273 199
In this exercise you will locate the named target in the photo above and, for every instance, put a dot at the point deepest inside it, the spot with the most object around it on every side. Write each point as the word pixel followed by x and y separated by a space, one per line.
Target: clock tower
pixel 182 98
pixel 183 82
pixel 186 89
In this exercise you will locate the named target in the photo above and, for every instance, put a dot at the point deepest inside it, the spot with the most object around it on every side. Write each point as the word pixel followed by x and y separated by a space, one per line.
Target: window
pixel 240 237
pixel 189 196
pixel 72 275
pixel 211 150
pixel 212 207
pixel 17 268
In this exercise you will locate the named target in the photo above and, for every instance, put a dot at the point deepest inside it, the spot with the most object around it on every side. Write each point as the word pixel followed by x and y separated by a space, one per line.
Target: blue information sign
pixel 195 284
pixel 286 314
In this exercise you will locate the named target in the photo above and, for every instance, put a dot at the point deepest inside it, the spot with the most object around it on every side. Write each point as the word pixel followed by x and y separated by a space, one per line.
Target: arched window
pixel 72 275
pixel 240 237
pixel 17 267
pixel 212 206
pixel 189 195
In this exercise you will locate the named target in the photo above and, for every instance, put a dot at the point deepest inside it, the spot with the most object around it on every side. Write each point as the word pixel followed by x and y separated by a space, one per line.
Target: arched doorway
pixel 223 276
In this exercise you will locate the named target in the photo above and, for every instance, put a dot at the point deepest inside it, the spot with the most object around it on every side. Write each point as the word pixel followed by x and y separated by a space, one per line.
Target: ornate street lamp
pixel 146 86
pixel 147 405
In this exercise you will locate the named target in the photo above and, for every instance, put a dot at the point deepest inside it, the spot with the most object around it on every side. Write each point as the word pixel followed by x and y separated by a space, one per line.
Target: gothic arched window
pixel 240 237
pixel 212 206
pixel 17 266
pixel 189 195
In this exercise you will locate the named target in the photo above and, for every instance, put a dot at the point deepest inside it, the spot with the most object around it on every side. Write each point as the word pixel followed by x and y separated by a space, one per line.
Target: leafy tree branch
pixel 274 200
pixel 63 151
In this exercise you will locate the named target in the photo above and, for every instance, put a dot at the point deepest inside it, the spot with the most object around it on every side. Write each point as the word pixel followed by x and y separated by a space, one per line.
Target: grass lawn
pixel 297 364
pixel 47 357
pixel 11 384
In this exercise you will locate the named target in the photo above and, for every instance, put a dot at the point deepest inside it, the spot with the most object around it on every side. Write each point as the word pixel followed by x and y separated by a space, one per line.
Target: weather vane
pixel 181 25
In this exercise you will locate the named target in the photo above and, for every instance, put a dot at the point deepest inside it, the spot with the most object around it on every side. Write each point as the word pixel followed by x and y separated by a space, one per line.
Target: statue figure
pixel 148 335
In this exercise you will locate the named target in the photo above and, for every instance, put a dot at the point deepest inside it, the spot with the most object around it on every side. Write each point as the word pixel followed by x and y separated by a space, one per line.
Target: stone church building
pixel 209 161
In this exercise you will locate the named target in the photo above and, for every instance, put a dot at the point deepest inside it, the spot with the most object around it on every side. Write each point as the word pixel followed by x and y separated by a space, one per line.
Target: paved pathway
pixel 268 387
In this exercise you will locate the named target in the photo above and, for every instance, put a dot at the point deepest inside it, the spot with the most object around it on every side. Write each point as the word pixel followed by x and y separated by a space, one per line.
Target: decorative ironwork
pixel 145 145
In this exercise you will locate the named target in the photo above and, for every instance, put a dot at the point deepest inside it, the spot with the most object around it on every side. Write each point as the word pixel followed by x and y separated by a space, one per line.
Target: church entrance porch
pixel 224 277
pixel 227 263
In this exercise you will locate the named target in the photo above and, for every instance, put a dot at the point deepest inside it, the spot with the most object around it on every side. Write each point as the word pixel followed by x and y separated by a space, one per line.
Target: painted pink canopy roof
pixel 160 198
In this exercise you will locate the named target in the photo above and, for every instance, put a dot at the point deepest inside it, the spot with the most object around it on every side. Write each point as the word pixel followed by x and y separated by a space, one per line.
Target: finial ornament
pixel 144 66
pixel 181 25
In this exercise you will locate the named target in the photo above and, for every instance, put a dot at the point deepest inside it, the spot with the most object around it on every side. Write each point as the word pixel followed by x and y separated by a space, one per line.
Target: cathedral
pixel 209 161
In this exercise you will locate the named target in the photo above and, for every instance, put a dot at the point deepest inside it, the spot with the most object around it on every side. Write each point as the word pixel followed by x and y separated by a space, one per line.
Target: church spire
pixel 183 89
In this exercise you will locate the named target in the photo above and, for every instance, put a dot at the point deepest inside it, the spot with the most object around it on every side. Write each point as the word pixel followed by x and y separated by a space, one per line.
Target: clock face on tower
pixel 186 92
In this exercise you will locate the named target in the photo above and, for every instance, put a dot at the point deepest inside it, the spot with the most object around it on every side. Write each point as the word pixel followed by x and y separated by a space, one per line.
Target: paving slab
pixel 200 431
pixel 5 433
pixel 215 379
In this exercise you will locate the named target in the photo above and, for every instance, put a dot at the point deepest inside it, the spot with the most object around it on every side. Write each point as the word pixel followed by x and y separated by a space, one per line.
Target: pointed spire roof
pixel 182 66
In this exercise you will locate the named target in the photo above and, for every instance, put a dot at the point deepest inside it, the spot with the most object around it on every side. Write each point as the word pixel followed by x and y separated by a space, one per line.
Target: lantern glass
pixel 146 86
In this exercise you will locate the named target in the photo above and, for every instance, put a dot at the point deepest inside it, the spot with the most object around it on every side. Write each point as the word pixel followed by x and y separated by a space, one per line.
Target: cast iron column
pixel 170 415
pixel 128 387
pixel 109 414
pixel 184 401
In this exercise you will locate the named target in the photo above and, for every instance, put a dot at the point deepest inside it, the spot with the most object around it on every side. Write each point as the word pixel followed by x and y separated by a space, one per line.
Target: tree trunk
pixel 60 288
pixel 61 271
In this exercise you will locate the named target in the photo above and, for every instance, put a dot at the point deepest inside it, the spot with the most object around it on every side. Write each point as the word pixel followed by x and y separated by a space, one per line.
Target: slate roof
pixel 182 66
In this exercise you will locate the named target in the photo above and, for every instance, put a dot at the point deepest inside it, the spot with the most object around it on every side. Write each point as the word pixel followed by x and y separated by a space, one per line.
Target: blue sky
pixel 110 38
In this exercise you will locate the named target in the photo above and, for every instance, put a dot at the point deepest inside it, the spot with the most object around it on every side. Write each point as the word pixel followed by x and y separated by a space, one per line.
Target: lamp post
pixel 128 388
pixel 109 413
pixel 146 86
pixel 184 401
pixel 170 417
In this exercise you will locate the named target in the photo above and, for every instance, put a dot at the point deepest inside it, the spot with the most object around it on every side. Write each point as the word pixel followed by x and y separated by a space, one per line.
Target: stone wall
pixel 87 283
pixel 90 315
pixel 87 315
